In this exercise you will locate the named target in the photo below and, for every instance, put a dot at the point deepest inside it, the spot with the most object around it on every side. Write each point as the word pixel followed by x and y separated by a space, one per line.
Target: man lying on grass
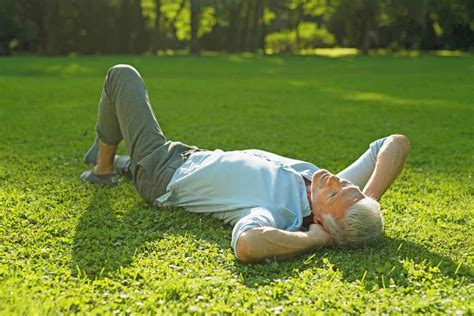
pixel 266 197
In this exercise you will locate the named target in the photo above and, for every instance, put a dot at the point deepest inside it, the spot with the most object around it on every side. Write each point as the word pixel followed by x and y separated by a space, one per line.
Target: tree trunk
pixel 139 35
pixel 263 28
pixel 299 16
pixel 297 37
pixel 52 27
pixel 257 35
pixel 195 16
pixel 124 27
pixel 369 12
pixel 365 41
pixel 235 28
pixel 36 9
pixel 156 35
pixel 255 21
pixel 247 20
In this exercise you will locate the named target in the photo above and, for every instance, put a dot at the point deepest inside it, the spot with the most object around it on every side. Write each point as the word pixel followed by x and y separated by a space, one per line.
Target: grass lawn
pixel 67 247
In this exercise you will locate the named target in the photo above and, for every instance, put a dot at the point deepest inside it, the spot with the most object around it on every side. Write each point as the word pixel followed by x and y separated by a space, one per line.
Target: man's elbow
pixel 243 248
pixel 402 143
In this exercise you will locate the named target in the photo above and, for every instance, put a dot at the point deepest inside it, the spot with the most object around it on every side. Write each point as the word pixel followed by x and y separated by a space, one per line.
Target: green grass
pixel 68 247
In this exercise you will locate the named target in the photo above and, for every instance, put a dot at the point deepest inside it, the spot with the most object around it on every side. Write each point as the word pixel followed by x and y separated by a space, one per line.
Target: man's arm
pixel 390 162
pixel 258 244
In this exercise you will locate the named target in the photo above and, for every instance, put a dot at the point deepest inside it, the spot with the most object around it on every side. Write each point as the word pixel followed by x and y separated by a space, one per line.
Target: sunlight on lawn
pixel 384 98
pixel 69 69
pixel 70 248
pixel 331 52
pixel 378 97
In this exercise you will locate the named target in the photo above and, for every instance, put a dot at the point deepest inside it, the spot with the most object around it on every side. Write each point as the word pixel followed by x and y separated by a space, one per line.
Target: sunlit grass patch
pixel 66 247
pixel 331 52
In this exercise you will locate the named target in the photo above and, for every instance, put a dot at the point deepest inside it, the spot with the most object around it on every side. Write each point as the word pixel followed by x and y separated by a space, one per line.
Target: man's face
pixel 331 195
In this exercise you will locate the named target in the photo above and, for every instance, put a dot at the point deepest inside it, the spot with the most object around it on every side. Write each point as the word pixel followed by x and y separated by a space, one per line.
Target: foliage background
pixel 58 27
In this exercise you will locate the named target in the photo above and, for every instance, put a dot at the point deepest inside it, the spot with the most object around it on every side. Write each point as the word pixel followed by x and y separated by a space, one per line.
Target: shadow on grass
pixel 395 259
pixel 109 237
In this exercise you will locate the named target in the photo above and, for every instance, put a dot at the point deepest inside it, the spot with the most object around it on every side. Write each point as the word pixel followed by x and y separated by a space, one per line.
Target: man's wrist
pixel 314 238
pixel 371 193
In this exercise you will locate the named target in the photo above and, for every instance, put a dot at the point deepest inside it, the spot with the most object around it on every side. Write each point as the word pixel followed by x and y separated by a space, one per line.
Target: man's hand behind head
pixel 318 232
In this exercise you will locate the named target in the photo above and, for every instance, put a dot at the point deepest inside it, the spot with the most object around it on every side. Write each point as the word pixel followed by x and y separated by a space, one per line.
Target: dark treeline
pixel 57 27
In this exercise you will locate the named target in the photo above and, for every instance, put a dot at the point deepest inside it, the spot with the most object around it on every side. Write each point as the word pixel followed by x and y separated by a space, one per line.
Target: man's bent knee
pixel 122 70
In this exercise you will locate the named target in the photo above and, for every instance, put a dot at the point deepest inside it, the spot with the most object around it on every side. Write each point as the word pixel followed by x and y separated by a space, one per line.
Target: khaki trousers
pixel 125 113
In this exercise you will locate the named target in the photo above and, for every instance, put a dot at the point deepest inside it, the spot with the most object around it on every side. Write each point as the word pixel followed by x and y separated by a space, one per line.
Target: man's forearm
pixel 262 243
pixel 390 162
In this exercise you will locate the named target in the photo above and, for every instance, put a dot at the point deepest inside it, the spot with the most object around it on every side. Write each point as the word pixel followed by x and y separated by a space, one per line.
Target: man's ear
pixel 317 219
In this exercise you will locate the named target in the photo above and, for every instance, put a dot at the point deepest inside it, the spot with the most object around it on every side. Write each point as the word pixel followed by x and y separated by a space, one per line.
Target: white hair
pixel 361 225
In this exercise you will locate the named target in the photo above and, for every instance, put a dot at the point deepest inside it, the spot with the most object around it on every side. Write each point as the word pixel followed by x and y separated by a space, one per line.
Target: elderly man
pixel 266 197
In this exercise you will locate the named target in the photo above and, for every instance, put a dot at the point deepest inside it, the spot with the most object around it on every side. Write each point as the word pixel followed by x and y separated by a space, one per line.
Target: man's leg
pixel 103 171
pixel 105 159
pixel 125 113
pixel 122 164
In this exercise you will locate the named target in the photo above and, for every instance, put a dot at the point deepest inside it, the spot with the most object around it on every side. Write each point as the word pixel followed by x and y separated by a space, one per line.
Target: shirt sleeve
pixel 257 217
pixel 359 171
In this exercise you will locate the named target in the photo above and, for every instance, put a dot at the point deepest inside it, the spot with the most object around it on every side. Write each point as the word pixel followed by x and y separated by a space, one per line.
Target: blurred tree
pixel 132 34
pixel 34 12
pixel 453 22
pixel 354 23
pixel 10 26
pixel 300 24
pixel 175 22
pixel 403 23
pixel 95 32
pixel 246 25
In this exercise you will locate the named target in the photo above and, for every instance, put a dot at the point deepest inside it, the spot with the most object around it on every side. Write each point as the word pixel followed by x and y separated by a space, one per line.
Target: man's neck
pixel 308 220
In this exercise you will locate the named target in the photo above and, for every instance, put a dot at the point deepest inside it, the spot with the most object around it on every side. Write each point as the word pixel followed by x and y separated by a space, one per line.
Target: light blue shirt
pixel 254 188
pixel 248 188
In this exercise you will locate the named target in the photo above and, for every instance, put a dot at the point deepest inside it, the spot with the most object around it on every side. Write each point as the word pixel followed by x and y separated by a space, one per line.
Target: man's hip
pixel 153 173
